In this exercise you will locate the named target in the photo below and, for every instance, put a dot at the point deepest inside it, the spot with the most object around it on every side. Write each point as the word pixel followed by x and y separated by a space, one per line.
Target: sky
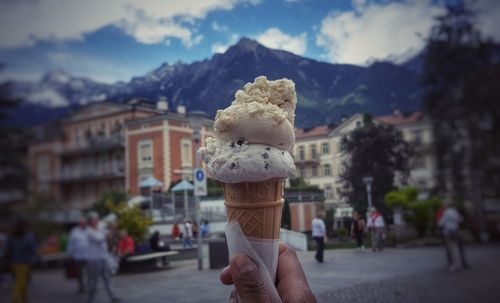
pixel 115 40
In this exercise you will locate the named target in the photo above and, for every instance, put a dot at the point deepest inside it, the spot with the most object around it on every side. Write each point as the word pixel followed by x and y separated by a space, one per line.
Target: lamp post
pixel 196 120
pixel 368 183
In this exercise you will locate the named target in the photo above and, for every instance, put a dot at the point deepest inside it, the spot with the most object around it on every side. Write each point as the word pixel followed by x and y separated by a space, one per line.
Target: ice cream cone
pixel 256 206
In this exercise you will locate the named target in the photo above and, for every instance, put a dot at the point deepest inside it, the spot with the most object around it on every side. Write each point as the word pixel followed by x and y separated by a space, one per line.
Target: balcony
pixel 94 145
pixel 307 160
pixel 85 174
pixel 304 195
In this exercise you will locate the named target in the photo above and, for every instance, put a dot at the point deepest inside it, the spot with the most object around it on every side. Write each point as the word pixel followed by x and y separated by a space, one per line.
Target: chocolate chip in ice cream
pixel 265 156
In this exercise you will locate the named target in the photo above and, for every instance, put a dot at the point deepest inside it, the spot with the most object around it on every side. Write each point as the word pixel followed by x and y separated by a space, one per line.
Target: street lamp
pixel 196 120
pixel 368 183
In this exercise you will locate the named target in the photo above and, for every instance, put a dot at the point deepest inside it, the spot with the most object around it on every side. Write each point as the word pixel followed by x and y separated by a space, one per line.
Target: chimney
pixel 181 109
pixel 162 104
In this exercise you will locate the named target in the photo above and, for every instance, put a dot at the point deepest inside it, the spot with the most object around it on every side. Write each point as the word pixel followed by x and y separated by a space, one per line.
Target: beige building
pixel 319 159
pixel 417 130
pixel 318 156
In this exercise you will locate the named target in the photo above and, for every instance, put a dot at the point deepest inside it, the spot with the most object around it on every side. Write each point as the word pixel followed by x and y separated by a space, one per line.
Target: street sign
pixel 200 182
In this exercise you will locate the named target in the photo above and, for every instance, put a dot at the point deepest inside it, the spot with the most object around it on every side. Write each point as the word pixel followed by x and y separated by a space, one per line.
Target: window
pixel 186 152
pixel 327 170
pixel 302 172
pixel 301 152
pixel 359 124
pixel 325 147
pixel 419 162
pixel 313 151
pixel 314 171
pixel 146 152
pixel 328 191
pixel 417 137
pixel 43 168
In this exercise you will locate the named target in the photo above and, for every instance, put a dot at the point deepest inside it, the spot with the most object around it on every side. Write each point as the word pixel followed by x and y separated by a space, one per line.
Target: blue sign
pixel 200 182
pixel 200 175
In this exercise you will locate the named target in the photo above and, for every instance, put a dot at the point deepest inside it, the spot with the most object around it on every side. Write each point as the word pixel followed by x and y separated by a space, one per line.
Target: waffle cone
pixel 256 206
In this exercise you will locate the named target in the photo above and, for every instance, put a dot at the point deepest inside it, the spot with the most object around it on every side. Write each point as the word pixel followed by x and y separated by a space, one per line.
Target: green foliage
pixel 300 184
pixel 329 220
pixel 130 218
pixel 460 76
pixel 214 188
pixel 419 213
pixel 374 150
pixel 113 197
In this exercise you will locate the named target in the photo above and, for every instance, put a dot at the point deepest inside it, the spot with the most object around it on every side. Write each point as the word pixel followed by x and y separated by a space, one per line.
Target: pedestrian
pixel 126 245
pixel 96 259
pixel 187 234
pixel 319 235
pixel 157 244
pixel 176 232
pixel 450 223
pixel 78 245
pixel 194 229
pixel 205 229
pixel 358 230
pixel 21 255
pixel 377 226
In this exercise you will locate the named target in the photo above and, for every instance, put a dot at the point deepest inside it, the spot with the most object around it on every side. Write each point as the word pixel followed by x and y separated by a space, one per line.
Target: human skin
pixel 291 282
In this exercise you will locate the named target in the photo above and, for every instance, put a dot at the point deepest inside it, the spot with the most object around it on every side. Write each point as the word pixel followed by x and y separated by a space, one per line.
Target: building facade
pixel 82 156
pixel 161 147
pixel 318 156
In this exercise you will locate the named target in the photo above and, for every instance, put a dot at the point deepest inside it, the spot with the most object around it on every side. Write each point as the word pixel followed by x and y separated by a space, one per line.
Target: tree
pixel 129 218
pixel 419 213
pixel 461 76
pixel 373 150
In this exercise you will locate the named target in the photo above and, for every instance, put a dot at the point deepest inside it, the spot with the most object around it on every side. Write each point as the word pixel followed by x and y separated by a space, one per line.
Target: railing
pixel 306 195
pixel 78 172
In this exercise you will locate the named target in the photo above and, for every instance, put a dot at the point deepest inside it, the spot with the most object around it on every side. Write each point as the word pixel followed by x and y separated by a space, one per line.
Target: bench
pixel 153 260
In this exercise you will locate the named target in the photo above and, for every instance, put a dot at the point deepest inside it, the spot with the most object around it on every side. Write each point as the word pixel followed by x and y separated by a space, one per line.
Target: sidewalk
pixel 346 276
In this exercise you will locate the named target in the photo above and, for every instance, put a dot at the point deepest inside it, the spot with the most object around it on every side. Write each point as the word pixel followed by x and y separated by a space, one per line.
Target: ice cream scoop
pixel 263 112
pixel 234 162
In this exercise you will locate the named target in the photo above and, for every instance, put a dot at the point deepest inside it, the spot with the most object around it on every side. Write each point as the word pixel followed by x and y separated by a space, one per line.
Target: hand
pixel 290 279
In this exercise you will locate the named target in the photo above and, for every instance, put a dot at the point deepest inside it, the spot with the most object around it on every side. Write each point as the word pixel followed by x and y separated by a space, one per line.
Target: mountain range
pixel 325 91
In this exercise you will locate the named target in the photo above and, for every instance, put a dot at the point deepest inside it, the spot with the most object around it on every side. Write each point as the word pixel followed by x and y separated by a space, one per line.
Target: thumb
pixel 247 280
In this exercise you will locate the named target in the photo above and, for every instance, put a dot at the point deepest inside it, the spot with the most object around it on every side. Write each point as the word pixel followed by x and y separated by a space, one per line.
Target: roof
pixel 398 119
pixel 322 130
pixel 150 182
pixel 182 186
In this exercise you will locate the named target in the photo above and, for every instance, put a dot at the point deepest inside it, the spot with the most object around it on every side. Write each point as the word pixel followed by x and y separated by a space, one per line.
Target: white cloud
pixel 47 97
pixel 275 38
pixel 219 27
pixel 94 68
pixel 219 48
pixel 377 31
pixel 150 21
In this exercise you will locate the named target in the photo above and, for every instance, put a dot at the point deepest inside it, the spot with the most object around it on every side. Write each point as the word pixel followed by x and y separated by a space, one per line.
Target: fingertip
pixel 225 276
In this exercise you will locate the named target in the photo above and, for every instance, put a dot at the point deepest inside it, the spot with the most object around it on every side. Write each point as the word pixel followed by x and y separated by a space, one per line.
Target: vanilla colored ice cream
pixel 254 135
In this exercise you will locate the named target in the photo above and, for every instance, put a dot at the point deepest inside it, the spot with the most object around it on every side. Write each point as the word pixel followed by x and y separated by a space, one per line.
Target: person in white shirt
pixel 319 235
pixel 77 249
pixel 377 226
pixel 96 259
pixel 187 234
pixel 450 223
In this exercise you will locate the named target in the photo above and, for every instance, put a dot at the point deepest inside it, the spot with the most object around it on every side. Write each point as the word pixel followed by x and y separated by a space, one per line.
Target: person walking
pixel 358 230
pixel 205 229
pixel 450 223
pixel 77 248
pixel 187 234
pixel 96 260
pixel 319 235
pixel 377 226
pixel 21 255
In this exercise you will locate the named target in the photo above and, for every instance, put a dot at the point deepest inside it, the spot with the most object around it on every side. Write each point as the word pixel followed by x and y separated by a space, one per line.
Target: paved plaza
pixel 395 275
